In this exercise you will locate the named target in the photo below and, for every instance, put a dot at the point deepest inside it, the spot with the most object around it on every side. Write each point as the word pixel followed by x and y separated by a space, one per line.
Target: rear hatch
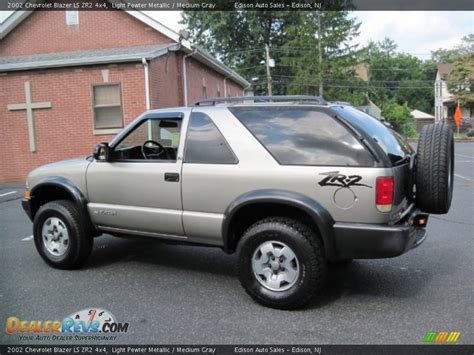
pixel 393 150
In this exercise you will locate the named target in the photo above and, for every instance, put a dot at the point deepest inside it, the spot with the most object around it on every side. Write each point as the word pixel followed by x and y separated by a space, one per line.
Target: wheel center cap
pixel 275 265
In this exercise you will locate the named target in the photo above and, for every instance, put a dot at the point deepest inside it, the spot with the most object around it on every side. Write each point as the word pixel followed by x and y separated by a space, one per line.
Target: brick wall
pixel 47 31
pixel 166 81
pixel 66 129
pixel 199 75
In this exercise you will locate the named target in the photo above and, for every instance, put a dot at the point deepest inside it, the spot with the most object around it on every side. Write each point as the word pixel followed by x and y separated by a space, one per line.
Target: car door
pixel 137 191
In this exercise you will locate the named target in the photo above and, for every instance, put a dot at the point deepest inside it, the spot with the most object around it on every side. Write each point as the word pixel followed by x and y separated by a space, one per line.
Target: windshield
pixel 391 142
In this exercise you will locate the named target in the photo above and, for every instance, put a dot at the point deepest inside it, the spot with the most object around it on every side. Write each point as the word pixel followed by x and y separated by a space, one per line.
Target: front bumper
pixel 26 204
pixel 372 241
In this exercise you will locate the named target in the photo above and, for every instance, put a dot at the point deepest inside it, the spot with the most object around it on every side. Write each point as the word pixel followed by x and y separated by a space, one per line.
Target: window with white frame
pixel 107 105
pixel 72 17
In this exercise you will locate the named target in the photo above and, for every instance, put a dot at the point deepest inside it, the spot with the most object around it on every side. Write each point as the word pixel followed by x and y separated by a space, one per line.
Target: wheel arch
pixel 255 205
pixel 59 188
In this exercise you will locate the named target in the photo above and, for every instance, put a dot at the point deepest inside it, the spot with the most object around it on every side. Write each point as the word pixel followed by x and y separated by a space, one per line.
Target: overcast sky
pixel 415 32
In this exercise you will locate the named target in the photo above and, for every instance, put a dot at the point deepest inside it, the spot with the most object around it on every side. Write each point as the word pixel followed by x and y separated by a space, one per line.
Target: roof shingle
pixel 84 57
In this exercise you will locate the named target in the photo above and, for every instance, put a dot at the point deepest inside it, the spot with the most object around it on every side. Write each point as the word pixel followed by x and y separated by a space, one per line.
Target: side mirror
pixel 102 152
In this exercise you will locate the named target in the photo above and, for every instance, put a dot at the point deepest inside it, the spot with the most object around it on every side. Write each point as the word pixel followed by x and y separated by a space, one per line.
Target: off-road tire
pixel 308 249
pixel 435 169
pixel 80 242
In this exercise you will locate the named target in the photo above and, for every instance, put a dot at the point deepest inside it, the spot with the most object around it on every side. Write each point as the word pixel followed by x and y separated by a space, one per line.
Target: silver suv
pixel 291 183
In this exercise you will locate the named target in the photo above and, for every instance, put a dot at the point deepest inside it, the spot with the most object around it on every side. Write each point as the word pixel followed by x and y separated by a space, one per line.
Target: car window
pixel 205 144
pixel 152 139
pixel 391 142
pixel 303 136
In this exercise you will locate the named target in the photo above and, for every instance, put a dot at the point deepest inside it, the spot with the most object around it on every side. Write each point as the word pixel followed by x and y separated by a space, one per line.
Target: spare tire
pixel 435 169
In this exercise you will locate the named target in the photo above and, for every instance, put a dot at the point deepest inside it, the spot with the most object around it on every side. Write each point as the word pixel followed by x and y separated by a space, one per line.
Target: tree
pixel 442 55
pixel 323 57
pixel 398 77
pixel 238 38
pixel 461 79
pixel 400 117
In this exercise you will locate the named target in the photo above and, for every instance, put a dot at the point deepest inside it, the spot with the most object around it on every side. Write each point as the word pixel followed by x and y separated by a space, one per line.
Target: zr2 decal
pixel 333 178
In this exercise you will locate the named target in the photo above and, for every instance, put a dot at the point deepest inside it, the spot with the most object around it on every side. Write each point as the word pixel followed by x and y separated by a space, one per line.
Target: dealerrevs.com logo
pixel 90 324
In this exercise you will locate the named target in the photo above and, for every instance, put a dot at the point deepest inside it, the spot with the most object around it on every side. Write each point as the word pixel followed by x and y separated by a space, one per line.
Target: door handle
pixel 172 177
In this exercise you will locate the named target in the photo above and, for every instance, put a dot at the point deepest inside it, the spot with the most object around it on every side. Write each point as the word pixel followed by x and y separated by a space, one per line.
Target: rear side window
pixel 205 144
pixel 391 143
pixel 303 136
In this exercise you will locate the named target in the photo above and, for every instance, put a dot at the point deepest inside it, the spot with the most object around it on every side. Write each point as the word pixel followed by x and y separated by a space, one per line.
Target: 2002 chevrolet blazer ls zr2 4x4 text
pixel 291 183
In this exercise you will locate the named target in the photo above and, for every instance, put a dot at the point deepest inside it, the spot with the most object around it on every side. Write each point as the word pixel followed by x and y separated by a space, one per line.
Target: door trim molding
pixel 142 233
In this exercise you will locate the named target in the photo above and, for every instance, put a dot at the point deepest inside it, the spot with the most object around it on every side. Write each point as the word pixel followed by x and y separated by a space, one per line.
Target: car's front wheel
pixel 281 263
pixel 59 235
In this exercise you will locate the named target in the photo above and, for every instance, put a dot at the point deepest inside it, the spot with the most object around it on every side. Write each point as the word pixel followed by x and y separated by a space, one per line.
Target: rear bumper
pixel 372 241
pixel 26 204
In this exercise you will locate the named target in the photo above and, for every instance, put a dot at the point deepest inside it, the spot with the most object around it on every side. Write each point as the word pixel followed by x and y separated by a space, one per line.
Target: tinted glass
pixel 205 144
pixel 303 136
pixel 391 143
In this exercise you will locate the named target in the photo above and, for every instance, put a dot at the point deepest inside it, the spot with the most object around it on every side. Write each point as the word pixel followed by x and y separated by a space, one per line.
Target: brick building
pixel 71 79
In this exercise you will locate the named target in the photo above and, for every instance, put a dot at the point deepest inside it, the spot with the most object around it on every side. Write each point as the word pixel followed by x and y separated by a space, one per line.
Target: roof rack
pixel 344 103
pixel 282 98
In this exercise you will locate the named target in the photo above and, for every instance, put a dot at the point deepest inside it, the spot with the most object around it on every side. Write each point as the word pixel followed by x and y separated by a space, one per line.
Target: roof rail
pixel 282 98
pixel 344 103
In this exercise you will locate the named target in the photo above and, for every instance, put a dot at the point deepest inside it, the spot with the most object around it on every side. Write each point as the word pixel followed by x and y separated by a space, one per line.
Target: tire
pixel 60 236
pixel 309 263
pixel 435 169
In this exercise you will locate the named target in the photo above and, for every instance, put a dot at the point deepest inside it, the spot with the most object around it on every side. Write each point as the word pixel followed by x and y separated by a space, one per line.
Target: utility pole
pixel 269 76
pixel 320 76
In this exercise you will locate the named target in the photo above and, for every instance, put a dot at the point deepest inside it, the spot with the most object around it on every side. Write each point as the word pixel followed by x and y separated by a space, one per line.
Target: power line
pixel 394 82
pixel 300 48
pixel 275 83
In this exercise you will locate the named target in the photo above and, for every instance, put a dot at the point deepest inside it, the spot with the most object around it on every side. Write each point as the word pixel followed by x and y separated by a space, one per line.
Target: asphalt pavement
pixel 182 294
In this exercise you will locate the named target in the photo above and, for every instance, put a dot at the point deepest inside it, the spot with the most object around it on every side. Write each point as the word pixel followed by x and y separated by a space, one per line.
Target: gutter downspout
pixel 147 94
pixel 225 86
pixel 185 81
pixel 246 88
pixel 147 84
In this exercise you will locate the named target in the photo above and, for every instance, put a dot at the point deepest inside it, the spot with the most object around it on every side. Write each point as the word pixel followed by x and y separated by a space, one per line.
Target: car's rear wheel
pixel 435 169
pixel 281 263
pixel 59 235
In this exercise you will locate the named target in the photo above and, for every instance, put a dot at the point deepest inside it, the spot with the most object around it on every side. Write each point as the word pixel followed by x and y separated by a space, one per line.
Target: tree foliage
pixel 400 117
pixel 324 52
pixel 461 79
pixel 443 55
pixel 297 41
pixel 238 38
pixel 398 77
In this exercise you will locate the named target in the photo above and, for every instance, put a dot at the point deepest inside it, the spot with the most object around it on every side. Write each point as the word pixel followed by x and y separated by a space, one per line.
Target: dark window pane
pixel 391 143
pixel 303 136
pixel 205 144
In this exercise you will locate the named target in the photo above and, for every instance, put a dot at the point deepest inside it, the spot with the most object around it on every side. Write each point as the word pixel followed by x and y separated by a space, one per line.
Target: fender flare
pixel 64 184
pixel 321 217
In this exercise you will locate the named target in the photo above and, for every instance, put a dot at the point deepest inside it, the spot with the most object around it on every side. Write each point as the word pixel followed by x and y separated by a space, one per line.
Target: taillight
pixel 384 193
